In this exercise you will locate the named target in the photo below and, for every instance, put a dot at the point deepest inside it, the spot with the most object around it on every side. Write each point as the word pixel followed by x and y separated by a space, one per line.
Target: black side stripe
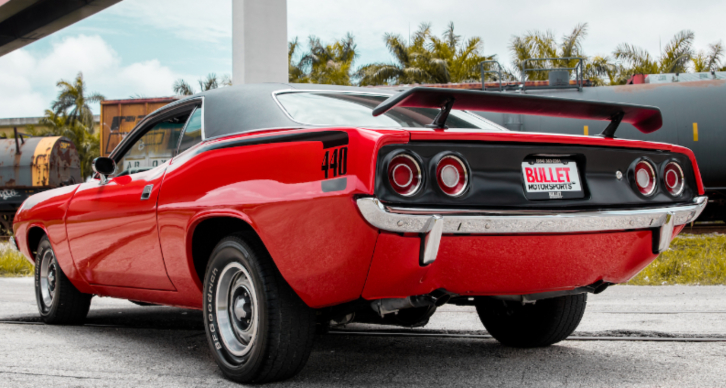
pixel 329 139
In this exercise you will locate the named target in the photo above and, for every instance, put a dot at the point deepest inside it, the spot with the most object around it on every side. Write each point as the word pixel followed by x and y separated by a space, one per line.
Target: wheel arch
pixel 34 235
pixel 206 232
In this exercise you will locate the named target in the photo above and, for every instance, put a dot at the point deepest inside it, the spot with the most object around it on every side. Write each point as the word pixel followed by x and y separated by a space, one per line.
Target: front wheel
pixel 259 330
pixel 59 301
pixel 543 323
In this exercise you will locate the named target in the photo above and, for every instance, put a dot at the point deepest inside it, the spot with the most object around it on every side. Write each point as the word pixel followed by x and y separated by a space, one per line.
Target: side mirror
pixel 104 167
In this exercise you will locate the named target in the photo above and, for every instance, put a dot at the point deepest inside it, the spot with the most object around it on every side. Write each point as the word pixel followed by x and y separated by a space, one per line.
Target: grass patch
pixel 13 263
pixel 691 259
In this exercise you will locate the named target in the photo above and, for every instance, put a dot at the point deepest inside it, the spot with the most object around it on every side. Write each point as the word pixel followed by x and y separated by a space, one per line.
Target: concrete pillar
pixel 259 41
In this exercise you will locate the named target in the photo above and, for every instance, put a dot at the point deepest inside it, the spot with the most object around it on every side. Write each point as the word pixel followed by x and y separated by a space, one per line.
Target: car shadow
pixel 442 362
pixel 172 340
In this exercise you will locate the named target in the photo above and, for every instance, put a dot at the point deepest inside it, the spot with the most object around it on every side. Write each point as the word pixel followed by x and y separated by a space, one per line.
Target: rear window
pixel 356 110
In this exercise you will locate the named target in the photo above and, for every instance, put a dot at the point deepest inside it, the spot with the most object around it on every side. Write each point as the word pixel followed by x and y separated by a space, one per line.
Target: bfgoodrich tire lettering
pixel 258 329
pixel 59 301
pixel 544 323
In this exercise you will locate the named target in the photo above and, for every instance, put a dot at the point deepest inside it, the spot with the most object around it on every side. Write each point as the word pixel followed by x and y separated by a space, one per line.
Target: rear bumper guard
pixel 433 223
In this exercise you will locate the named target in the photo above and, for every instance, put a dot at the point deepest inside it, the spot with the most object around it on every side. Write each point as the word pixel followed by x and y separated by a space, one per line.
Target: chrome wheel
pixel 237 309
pixel 48 277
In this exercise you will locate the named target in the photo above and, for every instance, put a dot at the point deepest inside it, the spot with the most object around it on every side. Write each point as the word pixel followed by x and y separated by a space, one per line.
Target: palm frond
pixel 182 88
pixel 677 53
pixel 209 83
pixel 397 48
pixel 452 40
pixel 572 43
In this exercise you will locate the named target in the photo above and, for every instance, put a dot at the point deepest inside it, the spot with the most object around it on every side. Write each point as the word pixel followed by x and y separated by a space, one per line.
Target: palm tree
pixel 541 45
pixel 209 83
pixel 295 69
pixel 710 60
pixel 410 61
pixel 182 88
pixel 427 59
pixel 329 64
pixel 73 96
pixel 460 60
pixel 674 59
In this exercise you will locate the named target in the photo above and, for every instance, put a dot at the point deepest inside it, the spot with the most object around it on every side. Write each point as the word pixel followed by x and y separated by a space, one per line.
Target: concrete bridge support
pixel 259 41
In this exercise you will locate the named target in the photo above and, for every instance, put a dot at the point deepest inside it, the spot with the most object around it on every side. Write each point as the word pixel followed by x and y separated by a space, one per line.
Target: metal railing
pixel 483 72
pixel 578 68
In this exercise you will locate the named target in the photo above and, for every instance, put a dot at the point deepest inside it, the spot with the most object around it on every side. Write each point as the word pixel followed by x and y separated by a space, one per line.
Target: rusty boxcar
pixel 119 117
pixel 32 164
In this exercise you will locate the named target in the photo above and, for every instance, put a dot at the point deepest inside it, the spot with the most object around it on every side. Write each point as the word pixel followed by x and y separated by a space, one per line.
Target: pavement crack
pixel 50 375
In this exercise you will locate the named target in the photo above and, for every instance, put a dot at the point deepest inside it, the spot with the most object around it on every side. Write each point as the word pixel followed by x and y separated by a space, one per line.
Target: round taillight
pixel 645 178
pixel 673 178
pixel 404 174
pixel 452 176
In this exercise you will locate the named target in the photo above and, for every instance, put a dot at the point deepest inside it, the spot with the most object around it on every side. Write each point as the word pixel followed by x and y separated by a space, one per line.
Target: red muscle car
pixel 275 208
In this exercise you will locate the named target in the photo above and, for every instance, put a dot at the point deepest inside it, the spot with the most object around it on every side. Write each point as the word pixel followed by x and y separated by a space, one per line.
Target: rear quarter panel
pixel 316 236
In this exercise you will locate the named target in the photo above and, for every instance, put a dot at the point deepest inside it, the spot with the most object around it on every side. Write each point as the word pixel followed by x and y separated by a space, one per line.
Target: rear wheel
pixel 259 330
pixel 543 323
pixel 59 301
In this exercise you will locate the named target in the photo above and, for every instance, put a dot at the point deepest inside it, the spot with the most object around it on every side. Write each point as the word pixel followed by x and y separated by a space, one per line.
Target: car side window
pixel 193 131
pixel 155 147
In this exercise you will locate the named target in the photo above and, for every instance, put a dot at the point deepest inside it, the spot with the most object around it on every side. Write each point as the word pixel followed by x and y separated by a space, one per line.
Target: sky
pixel 140 47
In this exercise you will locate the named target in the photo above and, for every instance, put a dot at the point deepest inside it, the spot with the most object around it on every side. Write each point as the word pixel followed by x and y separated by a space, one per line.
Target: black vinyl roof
pixel 245 108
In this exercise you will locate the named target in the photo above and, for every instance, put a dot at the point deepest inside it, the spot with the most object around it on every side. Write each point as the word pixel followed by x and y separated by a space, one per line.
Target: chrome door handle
pixel 146 194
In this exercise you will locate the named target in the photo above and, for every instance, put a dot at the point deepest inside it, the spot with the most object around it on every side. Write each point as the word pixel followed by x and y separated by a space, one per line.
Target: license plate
pixel 551 178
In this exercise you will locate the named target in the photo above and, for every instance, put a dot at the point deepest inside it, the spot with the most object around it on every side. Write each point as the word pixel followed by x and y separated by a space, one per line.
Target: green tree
pixel 675 58
pixel 543 44
pixel 295 68
pixel 322 63
pixel 460 59
pixel 331 63
pixel 708 60
pixel 426 59
pixel 182 88
pixel 408 66
pixel 73 96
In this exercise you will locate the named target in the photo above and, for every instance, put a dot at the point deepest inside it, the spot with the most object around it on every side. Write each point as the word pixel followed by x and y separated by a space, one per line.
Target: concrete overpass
pixel 22 22
pixel 259 31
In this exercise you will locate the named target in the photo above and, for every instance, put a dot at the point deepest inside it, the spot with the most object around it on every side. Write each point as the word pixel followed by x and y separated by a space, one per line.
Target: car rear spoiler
pixel 646 119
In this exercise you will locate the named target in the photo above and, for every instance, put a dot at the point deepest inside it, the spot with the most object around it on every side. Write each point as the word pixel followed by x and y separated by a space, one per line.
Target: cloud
pixel 27 81
pixel 193 20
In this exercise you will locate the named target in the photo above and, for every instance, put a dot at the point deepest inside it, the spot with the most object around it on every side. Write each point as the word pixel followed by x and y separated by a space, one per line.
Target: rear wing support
pixel 646 119
pixel 609 131
pixel 440 119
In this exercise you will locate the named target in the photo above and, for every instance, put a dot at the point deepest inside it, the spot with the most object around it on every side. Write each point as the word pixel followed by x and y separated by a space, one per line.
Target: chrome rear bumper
pixel 435 222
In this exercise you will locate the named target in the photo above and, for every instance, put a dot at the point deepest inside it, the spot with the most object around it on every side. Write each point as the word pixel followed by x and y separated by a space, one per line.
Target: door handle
pixel 146 194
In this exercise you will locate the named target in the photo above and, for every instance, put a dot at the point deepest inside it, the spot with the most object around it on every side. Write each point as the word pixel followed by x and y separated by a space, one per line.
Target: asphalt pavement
pixel 124 345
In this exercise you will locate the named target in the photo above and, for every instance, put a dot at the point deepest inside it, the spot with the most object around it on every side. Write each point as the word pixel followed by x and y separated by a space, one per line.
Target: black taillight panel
pixel 494 178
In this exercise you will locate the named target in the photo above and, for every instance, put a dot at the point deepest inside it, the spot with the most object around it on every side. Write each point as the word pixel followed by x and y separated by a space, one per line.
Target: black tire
pixel 262 309
pixel 543 323
pixel 59 301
